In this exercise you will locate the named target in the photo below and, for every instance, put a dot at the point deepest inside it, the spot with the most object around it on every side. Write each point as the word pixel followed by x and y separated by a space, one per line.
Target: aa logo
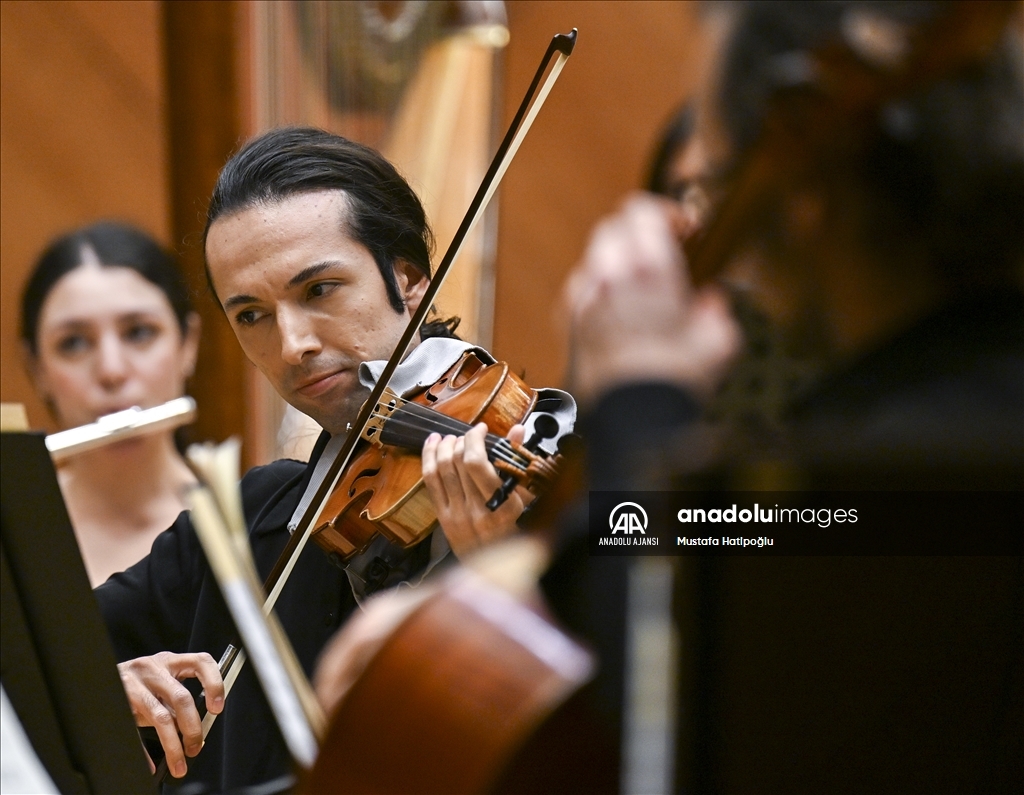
pixel 627 517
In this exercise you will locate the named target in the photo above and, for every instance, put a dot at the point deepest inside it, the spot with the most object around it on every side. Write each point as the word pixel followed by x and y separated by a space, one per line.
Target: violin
pixel 382 491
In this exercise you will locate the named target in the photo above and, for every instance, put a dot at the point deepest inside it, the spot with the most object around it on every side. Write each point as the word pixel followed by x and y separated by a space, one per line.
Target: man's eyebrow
pixel 311 271
pixel 298 278
pixel 235 300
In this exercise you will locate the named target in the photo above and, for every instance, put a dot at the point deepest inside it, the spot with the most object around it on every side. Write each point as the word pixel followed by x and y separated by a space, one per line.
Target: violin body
pixel 382 491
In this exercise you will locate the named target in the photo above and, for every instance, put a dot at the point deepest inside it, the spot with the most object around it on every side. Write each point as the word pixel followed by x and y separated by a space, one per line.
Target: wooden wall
pixel 82 124
pixel 633 64
pixel 84 129
pixel 204 95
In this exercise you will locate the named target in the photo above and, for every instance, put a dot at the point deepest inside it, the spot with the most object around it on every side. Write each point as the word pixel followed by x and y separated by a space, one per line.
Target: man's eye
pixel 72 345
pixel 321 289
pixel 141 333
pixel 248 317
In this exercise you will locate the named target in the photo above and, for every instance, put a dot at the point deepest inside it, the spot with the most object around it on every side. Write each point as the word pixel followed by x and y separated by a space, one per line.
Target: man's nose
pixel 112 364
pixel 298 336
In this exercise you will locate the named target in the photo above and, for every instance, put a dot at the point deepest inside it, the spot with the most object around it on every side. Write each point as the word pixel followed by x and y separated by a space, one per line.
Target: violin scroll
pixel 540 472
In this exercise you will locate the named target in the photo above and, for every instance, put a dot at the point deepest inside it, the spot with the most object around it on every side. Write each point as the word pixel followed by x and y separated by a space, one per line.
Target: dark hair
pixel 115 245
pixel 384 213
pixel 944 164
pixel 673 138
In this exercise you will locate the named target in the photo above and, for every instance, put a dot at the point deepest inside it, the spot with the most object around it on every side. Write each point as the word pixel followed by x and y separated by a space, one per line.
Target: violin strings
pixel 428 422
pixel 434 418
pixel 439 422
pixel 497 447
pixel 452 425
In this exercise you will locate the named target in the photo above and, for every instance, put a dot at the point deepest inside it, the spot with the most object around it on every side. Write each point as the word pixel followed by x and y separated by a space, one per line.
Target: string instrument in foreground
pixel 474 690
pixel 467 682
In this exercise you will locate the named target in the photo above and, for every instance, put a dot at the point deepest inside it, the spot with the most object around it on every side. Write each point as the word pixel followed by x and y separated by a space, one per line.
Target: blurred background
pixel 127 111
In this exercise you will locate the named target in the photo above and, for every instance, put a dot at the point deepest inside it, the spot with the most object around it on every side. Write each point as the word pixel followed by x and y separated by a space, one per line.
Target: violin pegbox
pixel 388 404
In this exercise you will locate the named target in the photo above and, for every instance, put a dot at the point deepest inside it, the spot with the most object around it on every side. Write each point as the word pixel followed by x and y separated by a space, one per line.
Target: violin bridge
pixel 388 404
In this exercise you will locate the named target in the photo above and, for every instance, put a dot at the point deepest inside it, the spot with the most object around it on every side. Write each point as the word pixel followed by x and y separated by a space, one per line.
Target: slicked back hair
pixel 384 214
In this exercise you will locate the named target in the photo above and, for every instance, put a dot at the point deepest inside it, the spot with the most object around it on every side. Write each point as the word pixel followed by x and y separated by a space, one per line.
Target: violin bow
pixel 559 49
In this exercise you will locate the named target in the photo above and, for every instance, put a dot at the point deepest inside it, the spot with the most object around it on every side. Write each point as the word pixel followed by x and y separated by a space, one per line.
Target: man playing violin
pixel 319 253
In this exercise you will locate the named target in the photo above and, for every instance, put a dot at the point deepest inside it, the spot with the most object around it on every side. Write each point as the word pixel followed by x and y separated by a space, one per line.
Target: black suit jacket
pixel 170 601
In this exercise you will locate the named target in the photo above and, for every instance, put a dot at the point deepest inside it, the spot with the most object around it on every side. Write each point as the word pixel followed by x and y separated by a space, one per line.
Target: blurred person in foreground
pixel 106 324
pixel 890 254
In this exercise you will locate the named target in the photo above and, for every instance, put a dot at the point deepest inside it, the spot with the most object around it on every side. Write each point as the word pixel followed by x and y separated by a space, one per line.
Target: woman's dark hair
pixel 384 214
pixel 944 164
pixel 673 138
pixel 114 245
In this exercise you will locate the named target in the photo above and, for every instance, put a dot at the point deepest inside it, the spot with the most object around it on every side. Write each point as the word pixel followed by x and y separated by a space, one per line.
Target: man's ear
pixel 412 284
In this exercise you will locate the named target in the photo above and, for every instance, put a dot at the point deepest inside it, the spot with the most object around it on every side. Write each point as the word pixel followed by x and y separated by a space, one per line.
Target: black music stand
pixel 56 661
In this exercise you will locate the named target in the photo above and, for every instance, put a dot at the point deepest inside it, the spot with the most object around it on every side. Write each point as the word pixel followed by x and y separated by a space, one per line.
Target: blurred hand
pixel 158 699
pixel 460 480
pixel 633 314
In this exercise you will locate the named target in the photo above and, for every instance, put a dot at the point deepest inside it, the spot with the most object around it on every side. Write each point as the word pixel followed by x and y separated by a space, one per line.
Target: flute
pixel 119 426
